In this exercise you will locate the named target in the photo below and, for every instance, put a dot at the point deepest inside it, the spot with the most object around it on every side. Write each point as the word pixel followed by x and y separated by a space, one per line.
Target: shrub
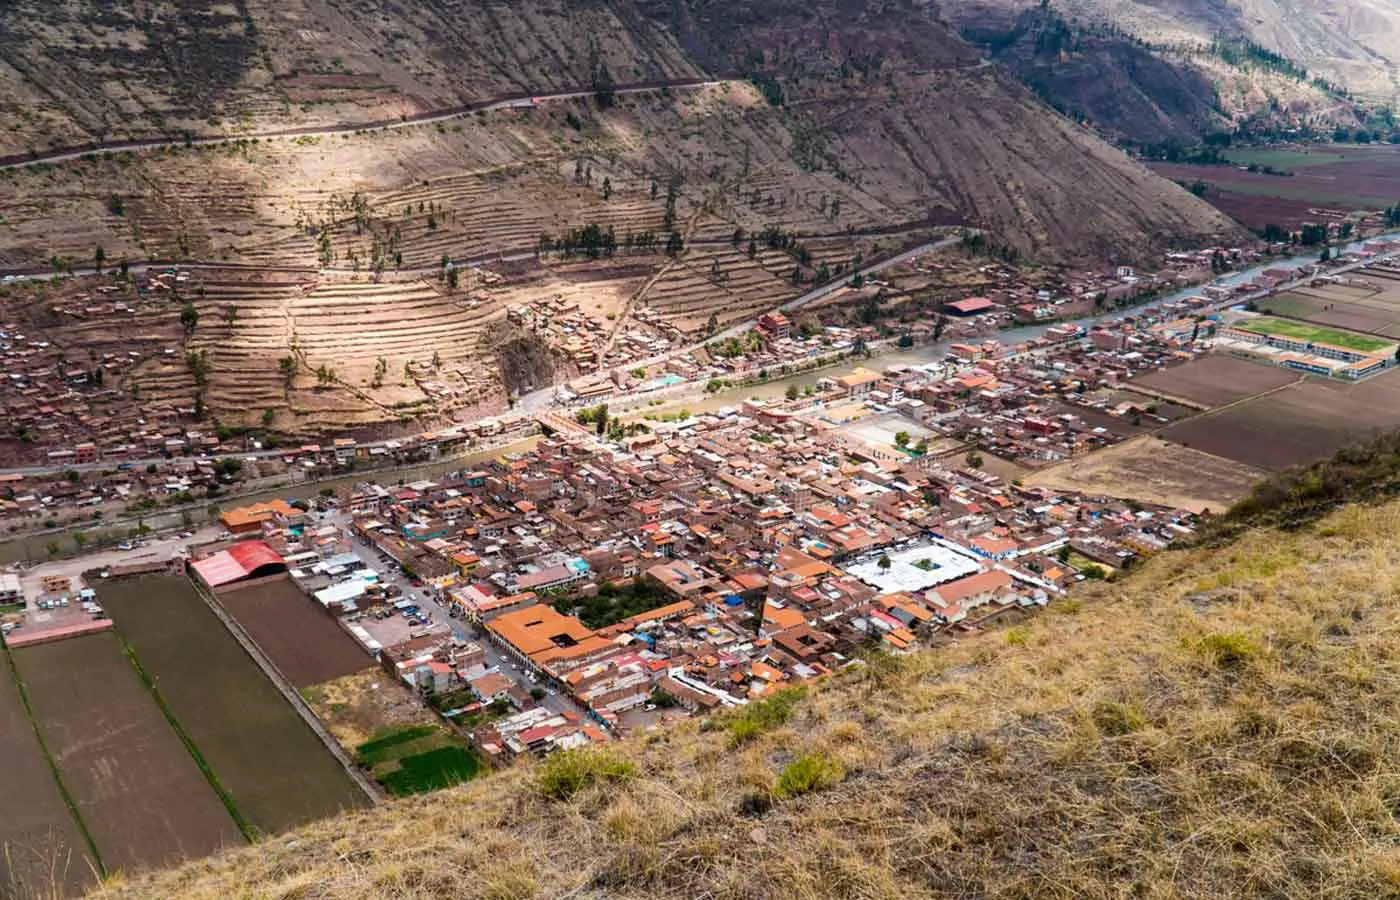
pixel 570 771
pixel 1227 650
pixel 809 772
pixel 1117 719
pixel 764 715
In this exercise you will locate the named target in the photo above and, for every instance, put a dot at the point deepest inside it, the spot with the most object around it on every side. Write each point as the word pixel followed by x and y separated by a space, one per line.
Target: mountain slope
pixel 1355 43
pixel 1141 90
pixel 1219 724
pixel 958 141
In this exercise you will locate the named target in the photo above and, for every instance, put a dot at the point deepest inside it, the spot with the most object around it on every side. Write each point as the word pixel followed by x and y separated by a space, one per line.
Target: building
pixel 860 382
pixel 10 590
pixel 775 324
pixel 250 519
pixel 243 561
pixel 538 635
pixel 972 306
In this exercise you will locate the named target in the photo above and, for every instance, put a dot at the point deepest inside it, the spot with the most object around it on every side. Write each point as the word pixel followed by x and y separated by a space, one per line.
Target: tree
pixel 452 279
pixel 287 365
pixel 230 315
pixel 99 256
pixel 189 316
pixel 116 205
pixel 901 439
pixel 884 562
pixel 974 460
pixel 792 392
pixel 607 188
pixel 922 447
pixel 1326 254
pixel 675 244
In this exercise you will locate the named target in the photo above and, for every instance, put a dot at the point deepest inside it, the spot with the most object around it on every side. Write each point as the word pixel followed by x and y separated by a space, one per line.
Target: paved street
pixel 392 574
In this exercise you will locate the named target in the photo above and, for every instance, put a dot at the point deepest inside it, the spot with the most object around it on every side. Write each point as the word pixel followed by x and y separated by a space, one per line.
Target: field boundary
pixel 250 833
pixel 53 763
pixel 288 692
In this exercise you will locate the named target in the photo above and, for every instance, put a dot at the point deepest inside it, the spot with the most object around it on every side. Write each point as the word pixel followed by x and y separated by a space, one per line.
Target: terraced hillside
pixel 73 72
pixel 858 129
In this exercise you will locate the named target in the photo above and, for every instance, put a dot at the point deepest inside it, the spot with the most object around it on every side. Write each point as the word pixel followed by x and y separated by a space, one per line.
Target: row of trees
pixel 594 242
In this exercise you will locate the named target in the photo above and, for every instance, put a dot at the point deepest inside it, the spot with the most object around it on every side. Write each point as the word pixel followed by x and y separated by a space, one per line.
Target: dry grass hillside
pixel 1219 724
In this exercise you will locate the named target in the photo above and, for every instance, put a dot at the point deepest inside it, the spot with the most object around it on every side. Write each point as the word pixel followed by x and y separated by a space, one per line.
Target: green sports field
pixel 1314 334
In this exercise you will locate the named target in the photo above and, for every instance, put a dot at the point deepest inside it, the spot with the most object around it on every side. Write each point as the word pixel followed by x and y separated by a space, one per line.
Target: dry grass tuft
pixel 1163 742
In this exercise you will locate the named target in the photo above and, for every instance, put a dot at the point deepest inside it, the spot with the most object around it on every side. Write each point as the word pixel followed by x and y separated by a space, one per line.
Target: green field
pixel 1314 334
pixel 418 759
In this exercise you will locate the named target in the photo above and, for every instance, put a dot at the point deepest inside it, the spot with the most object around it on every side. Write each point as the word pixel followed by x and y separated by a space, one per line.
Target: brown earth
pixel 41 847
pixel 1299 424
pixel 1214 380
pixel 140 793
pixel 356 707
pixel 304 642
pixel 1150 470
pixel 277 771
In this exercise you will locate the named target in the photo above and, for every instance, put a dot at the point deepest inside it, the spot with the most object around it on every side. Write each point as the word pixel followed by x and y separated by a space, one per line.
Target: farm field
pixel 40 844
pixel 1324 177
pixel 1214 380
pixel 1300 424
pixel 278 772
pixel 1151 470
pixel 1368 302
pixel 303 642
pixel 1313 334
pixel 137 788
pixel 416 760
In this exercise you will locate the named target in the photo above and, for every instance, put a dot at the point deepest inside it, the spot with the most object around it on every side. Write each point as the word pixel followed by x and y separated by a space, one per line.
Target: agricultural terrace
pixel 41 847
pixel 138 790
pixel 418 759
pixel 1313 334
pixel 303 641
pixel 1299 424
pixel 274 767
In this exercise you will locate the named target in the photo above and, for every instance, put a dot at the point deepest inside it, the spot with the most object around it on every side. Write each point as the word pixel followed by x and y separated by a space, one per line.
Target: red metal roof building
pixel 971 306
pixel 248 559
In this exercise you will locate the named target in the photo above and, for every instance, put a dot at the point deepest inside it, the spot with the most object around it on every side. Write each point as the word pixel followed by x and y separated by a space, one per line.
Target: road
pixel 428 600
pixel 155 549
pixel 431 117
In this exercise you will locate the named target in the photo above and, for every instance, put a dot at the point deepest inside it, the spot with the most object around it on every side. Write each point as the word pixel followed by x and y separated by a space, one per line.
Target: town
pixel 782 503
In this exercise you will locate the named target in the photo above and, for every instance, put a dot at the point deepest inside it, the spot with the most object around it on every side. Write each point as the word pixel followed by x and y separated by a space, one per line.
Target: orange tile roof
pixel 782 616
